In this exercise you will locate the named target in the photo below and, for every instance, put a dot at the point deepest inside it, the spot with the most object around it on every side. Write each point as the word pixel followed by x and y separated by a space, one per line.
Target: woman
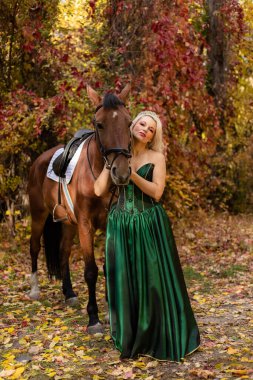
pixel 150 312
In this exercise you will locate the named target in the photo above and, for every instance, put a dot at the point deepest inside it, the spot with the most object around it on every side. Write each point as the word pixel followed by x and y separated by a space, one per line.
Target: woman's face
pixel 144 130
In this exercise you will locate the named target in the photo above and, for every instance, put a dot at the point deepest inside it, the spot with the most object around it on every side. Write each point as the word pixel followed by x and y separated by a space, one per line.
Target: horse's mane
pixel 111 101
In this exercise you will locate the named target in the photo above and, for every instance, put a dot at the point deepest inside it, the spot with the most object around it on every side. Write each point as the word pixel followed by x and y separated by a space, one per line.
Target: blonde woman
pixel 150 312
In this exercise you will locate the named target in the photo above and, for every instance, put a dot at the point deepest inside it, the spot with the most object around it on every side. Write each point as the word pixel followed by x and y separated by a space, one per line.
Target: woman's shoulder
pixel 156 157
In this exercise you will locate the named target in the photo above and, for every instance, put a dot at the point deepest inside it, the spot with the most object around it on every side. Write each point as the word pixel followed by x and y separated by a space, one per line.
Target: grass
pixel 233 270
pixel 191 274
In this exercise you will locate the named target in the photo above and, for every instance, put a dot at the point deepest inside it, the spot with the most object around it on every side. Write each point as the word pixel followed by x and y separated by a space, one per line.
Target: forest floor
pixel 45 339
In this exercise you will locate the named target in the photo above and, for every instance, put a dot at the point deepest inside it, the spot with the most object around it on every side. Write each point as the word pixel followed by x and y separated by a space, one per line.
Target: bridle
pixel 106 152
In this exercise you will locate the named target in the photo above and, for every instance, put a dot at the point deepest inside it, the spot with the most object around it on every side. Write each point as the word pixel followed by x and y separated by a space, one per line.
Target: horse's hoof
pixel 34 295
pixel 97 328
pixel 73 301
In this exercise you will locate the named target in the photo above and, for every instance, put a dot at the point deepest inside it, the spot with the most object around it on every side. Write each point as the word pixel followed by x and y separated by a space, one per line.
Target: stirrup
pixel 59 219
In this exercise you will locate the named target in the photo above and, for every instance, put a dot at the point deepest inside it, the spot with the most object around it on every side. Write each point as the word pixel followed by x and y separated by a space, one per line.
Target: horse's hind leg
pixel 86 235
pixel 68 235
pixel 36 232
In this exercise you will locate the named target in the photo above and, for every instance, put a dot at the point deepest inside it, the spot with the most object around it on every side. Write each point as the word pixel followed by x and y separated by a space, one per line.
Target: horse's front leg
pixel 107 317
pixel 86 235
pixel 68 234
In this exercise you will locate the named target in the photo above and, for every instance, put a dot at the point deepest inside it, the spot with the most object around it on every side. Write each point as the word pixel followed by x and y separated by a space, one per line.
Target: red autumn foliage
pixel 161 46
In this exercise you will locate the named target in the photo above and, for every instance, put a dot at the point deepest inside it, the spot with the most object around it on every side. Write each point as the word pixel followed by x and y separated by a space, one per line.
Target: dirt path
pixel 45 339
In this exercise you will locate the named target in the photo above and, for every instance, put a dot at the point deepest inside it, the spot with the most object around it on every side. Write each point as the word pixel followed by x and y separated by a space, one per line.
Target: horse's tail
pixel 52 238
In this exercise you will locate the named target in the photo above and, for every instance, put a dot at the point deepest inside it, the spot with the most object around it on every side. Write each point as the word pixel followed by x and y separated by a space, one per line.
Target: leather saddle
pixel 60 164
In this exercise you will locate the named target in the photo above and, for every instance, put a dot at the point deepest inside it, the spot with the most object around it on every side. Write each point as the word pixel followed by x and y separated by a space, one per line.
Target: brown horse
pixel 110 143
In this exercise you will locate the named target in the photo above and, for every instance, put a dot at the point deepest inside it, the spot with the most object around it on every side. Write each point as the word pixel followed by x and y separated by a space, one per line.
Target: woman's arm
pixel 155 188
pixel 103 182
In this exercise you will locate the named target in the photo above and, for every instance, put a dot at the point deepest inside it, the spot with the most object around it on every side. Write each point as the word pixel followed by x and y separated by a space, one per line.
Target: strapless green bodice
pixel 131 198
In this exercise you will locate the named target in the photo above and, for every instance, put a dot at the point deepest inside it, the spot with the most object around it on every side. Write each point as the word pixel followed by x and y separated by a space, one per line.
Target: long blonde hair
pixel 157 141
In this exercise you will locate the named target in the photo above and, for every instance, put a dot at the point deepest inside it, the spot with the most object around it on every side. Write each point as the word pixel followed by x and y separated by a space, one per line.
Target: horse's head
pixel 112 122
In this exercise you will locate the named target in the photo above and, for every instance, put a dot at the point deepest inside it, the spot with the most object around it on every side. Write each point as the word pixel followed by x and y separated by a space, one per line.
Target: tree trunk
pixel 11 216
pixel 217 54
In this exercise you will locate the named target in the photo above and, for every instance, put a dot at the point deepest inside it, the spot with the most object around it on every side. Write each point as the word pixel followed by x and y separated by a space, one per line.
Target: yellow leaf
pixel 22 341
pixel 86 357
pixel 52 344
pixel 79 353
pixel 199 298
pixel 231 351
pixel 203 135
pixel 17 373
pixel 139 364
pixel 8 345
pixel 51 374
pixel 9 356
pixel 107 337
pixel 238 371
pixel 246 360
pixel 11 330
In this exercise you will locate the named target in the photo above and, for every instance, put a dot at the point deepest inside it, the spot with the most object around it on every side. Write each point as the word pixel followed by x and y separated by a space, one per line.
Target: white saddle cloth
pixel 71 166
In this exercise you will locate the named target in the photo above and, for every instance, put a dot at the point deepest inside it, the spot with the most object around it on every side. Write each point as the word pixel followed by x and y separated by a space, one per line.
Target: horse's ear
pixel 93 96
pixel 124 93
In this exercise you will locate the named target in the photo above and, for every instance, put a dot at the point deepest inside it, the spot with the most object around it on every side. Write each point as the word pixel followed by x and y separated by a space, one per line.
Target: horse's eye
pixel 100 126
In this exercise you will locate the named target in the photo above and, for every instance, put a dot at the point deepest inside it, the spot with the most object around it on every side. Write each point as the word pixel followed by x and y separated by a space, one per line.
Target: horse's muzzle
pixel 120 178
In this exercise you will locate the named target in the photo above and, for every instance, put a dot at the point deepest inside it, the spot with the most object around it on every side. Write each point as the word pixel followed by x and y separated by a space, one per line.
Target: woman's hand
pixel 133 172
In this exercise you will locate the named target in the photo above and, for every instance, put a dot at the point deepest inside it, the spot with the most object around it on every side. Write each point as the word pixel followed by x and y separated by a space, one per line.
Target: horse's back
pixel 39 167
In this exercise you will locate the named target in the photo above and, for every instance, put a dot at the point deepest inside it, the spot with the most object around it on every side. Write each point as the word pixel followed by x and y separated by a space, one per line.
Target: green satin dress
pixel 149 308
